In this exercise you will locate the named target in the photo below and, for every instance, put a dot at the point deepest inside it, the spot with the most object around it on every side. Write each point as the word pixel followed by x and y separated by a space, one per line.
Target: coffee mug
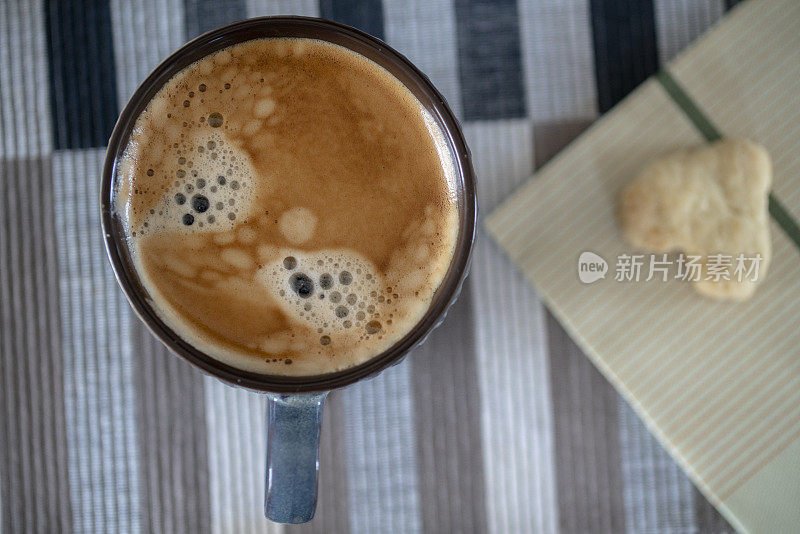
pixel 295 403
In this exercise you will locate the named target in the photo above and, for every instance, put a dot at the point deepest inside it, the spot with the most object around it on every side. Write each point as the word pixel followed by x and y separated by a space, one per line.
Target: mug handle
pixel 293 427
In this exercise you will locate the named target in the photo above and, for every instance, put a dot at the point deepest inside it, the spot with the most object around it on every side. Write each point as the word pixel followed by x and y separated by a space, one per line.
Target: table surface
pixel 497 424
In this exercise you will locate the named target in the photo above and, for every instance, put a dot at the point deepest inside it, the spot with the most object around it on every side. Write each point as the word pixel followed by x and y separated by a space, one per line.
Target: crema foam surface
pixel 289 205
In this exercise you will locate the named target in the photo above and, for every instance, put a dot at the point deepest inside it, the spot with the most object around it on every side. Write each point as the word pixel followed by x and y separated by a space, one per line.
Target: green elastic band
pixel 784 220
pixel 687 105
pixel 711 133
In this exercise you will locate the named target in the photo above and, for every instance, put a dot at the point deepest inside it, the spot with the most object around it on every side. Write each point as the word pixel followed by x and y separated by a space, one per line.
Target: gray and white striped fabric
pixel 498 424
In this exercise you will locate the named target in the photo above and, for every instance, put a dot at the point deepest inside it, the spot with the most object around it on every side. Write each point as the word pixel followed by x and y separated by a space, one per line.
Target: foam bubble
pixel 318 289
pixel 215 119
pixel 230 198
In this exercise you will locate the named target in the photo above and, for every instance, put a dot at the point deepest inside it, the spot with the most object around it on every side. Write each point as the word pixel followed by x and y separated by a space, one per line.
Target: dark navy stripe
pixel 731 3
pixel 625 50
pixel 366 15
pixel 489 59
pixel 203 15
pixel 83 88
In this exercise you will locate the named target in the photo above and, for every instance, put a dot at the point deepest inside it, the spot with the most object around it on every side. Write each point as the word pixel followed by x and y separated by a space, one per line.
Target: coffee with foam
pixel 289 205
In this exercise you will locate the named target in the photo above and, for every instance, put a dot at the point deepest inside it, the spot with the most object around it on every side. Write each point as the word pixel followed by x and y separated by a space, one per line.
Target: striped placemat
pixel 498 423
pixel 717 383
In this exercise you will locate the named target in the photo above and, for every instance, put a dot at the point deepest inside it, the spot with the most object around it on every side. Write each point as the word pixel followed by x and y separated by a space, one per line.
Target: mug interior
pixel 357 41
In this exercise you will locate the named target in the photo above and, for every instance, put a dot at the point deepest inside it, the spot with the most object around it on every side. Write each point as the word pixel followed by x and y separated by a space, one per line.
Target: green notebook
pixel 717 383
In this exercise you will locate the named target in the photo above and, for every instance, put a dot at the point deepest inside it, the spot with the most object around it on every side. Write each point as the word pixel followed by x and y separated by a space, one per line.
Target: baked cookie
pixel 706 201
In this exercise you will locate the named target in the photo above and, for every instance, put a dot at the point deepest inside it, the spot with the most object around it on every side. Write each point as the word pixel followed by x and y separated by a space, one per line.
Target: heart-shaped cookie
pixel 706 201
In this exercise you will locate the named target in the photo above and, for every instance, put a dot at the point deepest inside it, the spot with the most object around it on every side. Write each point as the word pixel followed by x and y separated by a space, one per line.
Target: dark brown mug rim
pixel 221 38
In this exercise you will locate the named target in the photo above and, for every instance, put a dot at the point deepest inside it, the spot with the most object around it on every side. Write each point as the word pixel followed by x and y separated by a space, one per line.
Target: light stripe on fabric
pixel 98 359
pixel 557 56
pixel 502 155
pixel 145 33
pixel 23 65
pixel 425 32
pixel 516 416
pixel 236 425
pixel 261 8
pixel 382 453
